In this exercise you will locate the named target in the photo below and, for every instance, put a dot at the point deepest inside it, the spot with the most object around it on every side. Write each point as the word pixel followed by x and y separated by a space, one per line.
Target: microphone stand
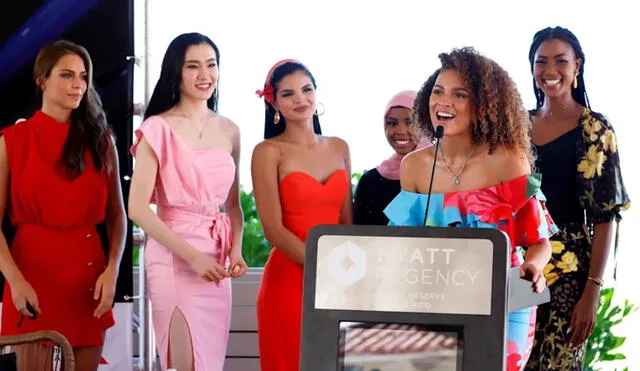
pixel 438 135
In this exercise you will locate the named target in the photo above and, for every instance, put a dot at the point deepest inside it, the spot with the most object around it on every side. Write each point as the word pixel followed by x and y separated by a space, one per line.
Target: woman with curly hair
pixel 482 175
pixel 578 157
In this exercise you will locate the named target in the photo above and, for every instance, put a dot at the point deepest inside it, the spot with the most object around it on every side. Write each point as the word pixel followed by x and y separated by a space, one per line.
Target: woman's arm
pixel 604 196
pixel 105 286
pixel 264 174
pixel 21 291
pixel 116 216
pixel 346 214
pixel 234 209
pixel 142 185
pixel 539 254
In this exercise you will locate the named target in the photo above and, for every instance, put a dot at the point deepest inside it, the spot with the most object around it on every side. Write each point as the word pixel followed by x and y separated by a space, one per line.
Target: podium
pixel 408 298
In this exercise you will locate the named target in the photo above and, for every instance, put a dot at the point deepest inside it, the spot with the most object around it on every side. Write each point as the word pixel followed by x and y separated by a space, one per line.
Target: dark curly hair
pixel 579 94
pixel 498 111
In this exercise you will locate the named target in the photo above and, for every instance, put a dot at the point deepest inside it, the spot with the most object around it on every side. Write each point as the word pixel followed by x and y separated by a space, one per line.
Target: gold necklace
pixel 201 131
pixel 456 177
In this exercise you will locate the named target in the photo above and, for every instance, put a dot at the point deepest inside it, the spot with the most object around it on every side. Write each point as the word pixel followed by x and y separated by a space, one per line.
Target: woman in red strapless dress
pixel 300 180
pixel 59 179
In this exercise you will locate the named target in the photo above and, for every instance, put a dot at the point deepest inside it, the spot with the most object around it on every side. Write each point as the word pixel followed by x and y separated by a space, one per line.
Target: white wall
pixel 361 53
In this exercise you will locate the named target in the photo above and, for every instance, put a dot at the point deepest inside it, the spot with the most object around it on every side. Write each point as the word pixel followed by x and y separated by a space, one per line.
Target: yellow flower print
pixel 588 197
pixel 609 206
pixel 591 127
pixel 592 163
pixel 569 262
pixel 557 247
pixel 549 274
pixel 559 323
pixel 608 140
pixel 576 236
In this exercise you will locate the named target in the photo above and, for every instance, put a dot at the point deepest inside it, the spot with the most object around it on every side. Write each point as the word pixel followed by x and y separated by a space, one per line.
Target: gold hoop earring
pixel 323 109
pixel 276 118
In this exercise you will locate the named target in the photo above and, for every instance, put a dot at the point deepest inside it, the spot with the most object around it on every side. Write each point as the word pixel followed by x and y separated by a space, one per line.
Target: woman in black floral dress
pixel 578 158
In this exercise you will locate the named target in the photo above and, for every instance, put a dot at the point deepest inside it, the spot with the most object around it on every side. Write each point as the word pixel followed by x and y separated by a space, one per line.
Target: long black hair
pixel 166 94
pixel 88 128
pixel 272 129
pixel 579 94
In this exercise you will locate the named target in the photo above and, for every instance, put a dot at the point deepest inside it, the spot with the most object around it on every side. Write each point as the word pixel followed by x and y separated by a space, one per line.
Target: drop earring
pixel 276 118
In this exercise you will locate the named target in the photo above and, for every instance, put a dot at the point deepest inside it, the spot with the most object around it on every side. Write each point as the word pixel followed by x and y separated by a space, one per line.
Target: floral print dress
pixel 515 207
pixel 589 192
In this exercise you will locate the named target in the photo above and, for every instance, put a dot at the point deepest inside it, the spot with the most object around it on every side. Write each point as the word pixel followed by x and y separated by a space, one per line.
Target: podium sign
pixel 398 298
pixel 435 275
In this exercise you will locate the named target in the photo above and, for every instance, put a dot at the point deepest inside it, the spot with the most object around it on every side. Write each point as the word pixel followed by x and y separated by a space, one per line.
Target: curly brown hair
pixel 501 119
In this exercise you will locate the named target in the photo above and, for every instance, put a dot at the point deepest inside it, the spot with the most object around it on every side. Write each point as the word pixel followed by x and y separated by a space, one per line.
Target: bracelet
pixel 598 281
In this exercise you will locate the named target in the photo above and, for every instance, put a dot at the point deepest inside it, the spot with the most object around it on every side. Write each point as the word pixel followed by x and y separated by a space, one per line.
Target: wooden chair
pixel 37 350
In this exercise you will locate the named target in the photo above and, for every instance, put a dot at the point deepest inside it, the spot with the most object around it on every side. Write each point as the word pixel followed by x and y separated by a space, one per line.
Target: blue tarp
pixel 45 25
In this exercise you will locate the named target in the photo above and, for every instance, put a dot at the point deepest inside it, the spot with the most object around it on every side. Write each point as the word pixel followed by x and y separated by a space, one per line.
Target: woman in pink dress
pixel 187 164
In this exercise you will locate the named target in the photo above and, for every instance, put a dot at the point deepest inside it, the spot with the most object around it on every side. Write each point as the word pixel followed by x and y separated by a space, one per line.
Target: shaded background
pixel 105 29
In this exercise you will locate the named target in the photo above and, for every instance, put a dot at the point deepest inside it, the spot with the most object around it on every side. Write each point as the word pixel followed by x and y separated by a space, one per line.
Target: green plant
pixel 255 247
pixel 355 178
pixel 602 343
pixel 135 251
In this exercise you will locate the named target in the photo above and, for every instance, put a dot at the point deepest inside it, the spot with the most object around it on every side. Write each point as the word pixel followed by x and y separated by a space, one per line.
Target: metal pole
pixel 147 340
pixel 146 320
pixel 146 53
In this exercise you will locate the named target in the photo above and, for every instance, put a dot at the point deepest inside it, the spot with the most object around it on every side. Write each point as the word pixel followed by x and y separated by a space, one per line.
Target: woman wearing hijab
pixel 379 186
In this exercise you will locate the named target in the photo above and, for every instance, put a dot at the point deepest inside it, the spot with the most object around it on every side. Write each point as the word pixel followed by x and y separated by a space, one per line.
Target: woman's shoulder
pixel 335 141
pixel 267 149
pixel 595 122
pixel 418 157
pixel 509 163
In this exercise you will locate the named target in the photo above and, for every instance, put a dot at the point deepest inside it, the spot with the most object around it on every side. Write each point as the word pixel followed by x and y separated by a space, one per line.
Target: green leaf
pixel 613 357
pixel 136 256
pixel 603 341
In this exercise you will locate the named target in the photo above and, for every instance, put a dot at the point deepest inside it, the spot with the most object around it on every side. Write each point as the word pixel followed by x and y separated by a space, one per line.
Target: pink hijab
pixel 390 168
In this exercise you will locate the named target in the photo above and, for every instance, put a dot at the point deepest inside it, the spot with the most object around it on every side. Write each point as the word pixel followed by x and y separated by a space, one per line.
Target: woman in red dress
pixel 300 180
pixel 59 178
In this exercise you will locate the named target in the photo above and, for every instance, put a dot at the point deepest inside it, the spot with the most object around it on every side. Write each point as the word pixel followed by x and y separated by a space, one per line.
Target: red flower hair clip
pixel 267 93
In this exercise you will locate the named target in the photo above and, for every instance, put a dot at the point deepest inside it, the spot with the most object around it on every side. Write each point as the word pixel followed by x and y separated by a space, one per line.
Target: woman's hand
pixel 531 272
pixel 238 266
pixel 207 268
pixel 104 291
pixel 583 318
pixel 22 293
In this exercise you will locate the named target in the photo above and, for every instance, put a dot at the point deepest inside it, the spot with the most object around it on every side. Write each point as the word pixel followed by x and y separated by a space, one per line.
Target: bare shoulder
pixel 509 164
pixel 266 149
pixel 411 168
pixel 336 141
pixel 229 126
pixel 169 116
pixel 418 158
pixel 227 123
pixel 338 144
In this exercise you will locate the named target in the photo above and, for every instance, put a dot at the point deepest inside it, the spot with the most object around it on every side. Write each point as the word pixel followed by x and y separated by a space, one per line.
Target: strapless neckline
pixel 306 175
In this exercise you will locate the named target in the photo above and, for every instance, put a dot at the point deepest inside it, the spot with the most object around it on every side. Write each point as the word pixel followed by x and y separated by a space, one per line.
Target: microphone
pixel 439 134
